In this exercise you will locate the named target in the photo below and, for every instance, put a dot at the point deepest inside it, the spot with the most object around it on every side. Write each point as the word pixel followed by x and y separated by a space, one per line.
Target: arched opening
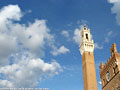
pixel 86 36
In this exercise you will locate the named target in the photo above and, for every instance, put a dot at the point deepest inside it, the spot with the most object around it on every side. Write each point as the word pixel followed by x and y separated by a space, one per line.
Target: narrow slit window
pixel 86 36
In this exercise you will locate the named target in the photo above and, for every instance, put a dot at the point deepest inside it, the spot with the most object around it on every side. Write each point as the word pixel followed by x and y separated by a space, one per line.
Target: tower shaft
pixel 89 73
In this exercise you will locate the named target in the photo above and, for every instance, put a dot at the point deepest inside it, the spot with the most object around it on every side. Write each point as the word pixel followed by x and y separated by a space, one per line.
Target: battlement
pixel 113 50
pixel 103 66
pixel 110 71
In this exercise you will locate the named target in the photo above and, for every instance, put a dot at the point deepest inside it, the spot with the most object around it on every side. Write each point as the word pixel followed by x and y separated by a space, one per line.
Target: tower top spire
pixel 87 43
pixel 113 49
pixel 84 27
pixel 101 66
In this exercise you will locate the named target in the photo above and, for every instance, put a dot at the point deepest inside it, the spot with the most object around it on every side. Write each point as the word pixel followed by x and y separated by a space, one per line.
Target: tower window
pixel 114 70
pixel 86 36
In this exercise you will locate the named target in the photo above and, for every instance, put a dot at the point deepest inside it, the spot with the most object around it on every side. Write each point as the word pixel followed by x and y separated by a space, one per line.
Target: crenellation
pixel 108 62
pixel 109 72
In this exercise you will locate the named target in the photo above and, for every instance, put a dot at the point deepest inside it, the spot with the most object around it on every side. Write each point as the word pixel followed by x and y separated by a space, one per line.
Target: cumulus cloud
pixel 25 44
pixel 34 36
pixel 77 35
pixel 109 35
pixel 113 1
pixel 65 33
pixel 15 37
pixel 97 46
pixel 28 72
pixel 7 42
pixel 5 83
pixel 116 9
pixel 7 48
pixel 61 50
pixel 8 14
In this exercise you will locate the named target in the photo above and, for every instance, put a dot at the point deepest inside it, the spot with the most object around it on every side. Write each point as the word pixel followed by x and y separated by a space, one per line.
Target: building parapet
pixel 110 60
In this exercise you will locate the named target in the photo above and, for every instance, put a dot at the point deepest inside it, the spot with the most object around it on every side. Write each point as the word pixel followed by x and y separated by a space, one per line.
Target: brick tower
pixel 110 72
pixel 88 64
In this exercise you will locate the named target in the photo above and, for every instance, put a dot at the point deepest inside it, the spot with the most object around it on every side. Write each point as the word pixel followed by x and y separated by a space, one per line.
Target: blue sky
pixel 40 40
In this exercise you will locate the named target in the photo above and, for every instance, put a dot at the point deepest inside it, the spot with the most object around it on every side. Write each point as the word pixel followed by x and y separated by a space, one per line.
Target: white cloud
pixel 106 39
pixel 113 1
pixel 10 12
pixel 34 37
pixel 29 11
pixel 116 9
pixel 14 36
pixel 7 48
pixel 27 72
pixel 65 33
pixel 77 36
pixel 109 35
pixel 7 42
pixel 61 50
pixel 25 43
pixel 5 83
pixel 100 82
pixel 97 46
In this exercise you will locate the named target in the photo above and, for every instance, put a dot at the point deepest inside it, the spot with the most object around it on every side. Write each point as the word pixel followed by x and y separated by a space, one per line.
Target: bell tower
pixel 88 64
